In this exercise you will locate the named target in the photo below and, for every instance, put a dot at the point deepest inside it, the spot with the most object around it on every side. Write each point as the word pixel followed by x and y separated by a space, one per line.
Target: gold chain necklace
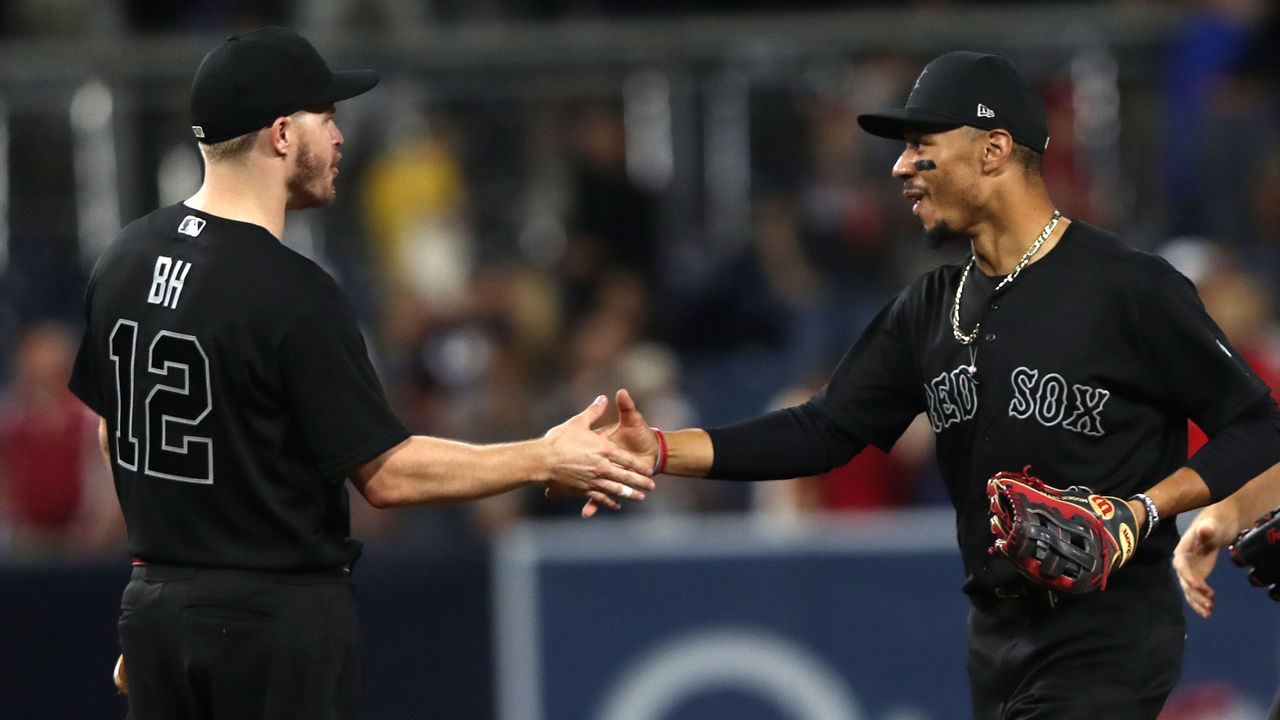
pixel 968 339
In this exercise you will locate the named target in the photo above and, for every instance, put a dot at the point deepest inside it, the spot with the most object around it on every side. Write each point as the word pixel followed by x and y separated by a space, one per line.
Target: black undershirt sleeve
pixel 1241 451
pixel 793 442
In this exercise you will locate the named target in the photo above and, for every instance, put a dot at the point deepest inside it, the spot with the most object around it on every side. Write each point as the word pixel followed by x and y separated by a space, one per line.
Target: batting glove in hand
pixel 1069 540
pixel 1259 548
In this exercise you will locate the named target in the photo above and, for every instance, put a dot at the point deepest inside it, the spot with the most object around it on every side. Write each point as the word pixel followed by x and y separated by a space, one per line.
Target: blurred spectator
pixel 416 209
pixel 1241 304
pixel 612 224
pixel 733 334
pixel 846 232
pixel 55 487
pixel 1212 100
pixel 469 370
pixel 1067 174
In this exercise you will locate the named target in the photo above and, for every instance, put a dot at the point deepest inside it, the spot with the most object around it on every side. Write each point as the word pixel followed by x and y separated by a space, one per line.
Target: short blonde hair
pixel 228 149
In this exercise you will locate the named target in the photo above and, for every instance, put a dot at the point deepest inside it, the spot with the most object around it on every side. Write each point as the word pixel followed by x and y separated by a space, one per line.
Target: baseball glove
pixel 1259 548
pixel 1069 540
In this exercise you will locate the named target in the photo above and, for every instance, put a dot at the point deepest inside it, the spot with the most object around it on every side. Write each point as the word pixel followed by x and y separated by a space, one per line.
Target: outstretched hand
pixel 584 462
pixel 631 433
pixel 1193 560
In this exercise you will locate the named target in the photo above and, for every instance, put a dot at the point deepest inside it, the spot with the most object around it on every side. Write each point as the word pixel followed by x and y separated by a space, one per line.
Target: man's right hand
pixel 632 434
pixel 590 463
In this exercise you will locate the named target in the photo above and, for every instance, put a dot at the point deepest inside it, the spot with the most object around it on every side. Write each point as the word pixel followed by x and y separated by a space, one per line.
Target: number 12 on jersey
pixel 174 395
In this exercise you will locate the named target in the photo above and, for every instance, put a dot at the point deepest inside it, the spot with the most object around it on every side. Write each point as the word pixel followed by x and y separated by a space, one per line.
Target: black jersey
pixel 1087 367
pixel 237 391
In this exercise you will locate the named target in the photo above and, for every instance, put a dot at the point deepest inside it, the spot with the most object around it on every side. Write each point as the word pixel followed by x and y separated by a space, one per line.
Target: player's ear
pixel 281 132
pixel 997 148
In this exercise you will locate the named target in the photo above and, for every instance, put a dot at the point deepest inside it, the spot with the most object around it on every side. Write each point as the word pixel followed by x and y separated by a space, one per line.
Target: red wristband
pixel 660 462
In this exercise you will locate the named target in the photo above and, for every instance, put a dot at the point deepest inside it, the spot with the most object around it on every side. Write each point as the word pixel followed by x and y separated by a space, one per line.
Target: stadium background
pixel 549 199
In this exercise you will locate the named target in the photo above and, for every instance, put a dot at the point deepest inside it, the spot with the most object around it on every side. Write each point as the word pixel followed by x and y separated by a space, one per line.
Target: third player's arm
pixel 1240 509
pixel 1215 527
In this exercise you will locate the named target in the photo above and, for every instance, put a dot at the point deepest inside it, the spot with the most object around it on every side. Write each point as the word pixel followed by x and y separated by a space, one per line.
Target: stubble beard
pixel 311 184
pixel 943 234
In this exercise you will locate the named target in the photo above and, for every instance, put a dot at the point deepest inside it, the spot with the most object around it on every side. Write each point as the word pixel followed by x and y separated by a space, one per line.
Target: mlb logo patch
pixel 191 225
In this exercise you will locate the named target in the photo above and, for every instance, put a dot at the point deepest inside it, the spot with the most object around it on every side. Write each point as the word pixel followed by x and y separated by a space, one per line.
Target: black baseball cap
pixel 968 88
pixel 249 80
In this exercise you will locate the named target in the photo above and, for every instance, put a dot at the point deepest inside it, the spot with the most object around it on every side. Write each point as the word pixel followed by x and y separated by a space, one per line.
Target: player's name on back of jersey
pixel 167 281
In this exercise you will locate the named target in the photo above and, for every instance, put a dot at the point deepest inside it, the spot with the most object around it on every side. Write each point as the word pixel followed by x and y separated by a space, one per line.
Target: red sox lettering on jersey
pixel 952 397
pixel 1044 397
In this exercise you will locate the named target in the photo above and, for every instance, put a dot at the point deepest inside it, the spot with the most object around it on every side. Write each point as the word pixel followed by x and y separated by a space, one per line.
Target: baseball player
pixel 1052 345
pixel 1217 526
pixel 237 396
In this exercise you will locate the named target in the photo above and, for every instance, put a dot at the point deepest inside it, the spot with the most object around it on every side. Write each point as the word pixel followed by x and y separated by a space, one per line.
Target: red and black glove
pixel 1259 548
pixel 1069 540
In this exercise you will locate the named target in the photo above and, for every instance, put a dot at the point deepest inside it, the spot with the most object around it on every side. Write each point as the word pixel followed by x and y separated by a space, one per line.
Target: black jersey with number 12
pixel 237 391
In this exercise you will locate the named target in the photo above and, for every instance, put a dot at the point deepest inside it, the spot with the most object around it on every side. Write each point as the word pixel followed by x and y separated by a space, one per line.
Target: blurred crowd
pixel 35 17
pixel 512 258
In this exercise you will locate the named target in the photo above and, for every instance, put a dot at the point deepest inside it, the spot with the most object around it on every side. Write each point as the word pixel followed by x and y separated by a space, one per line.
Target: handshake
pixel 607 464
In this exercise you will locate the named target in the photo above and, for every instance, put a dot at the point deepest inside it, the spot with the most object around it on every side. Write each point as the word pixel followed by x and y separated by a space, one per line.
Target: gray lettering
pixel 1024 382
pixel 1087 417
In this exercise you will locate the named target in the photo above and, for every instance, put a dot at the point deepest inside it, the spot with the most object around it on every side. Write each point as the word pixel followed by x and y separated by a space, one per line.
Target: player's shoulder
pixel 1104 250
pixel 251 266
pixel 245 248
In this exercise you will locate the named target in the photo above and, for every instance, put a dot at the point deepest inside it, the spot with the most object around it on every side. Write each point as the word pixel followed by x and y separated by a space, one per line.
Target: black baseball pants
pixel 1113 654
pixel 213 644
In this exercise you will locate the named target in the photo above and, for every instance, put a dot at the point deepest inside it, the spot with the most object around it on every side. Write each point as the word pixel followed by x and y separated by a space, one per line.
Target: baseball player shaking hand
pixel 1057 366
pixel 237 397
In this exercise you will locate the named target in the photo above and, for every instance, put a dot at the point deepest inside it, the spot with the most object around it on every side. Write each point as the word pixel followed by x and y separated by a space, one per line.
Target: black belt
pixel 163 572
pixel 1018 594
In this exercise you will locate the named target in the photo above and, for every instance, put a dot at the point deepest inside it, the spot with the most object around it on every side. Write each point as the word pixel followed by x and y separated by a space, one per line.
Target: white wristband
pixel 1153 515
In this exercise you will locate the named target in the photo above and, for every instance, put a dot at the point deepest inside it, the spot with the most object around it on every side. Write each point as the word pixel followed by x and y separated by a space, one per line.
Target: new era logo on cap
pixel 961 88
pixel 198 131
